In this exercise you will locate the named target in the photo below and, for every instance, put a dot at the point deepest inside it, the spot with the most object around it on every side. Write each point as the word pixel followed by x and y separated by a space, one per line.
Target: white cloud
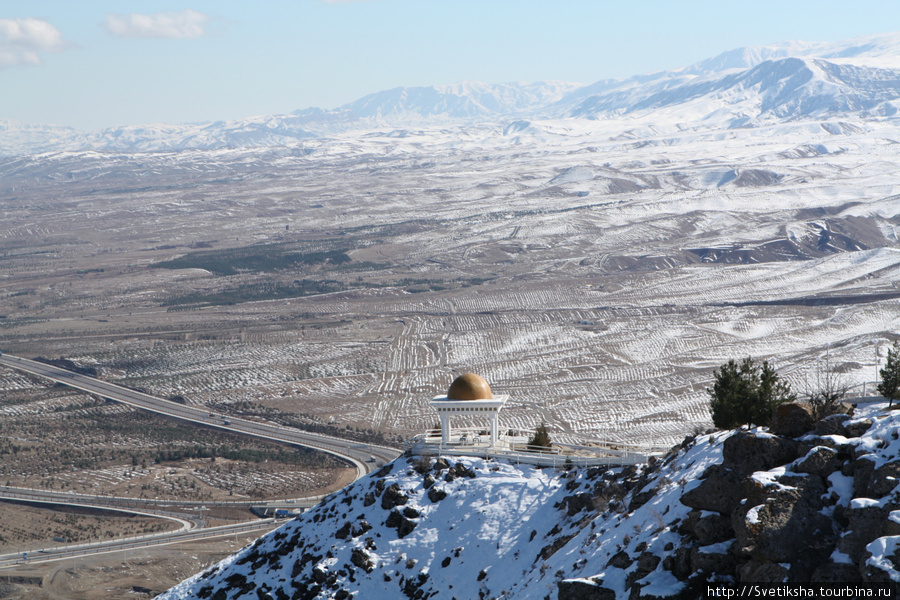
pixel 183 24
pixel 22 41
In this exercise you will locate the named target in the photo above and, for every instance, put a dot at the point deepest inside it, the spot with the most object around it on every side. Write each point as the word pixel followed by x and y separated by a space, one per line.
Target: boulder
pixel 832 425
pixel 866 524
pixel 344 532
pixel 576 503
pixel 821 461
pixel 791 420
pixel 862 470
pixel 712 529
pixel 436 494
pixel 779 523
pixel 746 452
pixel 881 571
pixel 720 563
pixel 403 525
pixel 845 451
pixel 639 499
pixel 892 524
pixel 719 491
pixel 393 497
pixel 646 564
pixel 884 479
pixel 831 572
pixel 362 559
pixel 361 527
pixel 857 427
pixel 422 464
pixel 583 589
pixel 763 572
pixel 460 470
pixel 679 563
pixel 620 560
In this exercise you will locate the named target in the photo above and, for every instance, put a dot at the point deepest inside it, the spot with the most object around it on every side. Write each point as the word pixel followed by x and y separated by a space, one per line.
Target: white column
pixel 493 417
pixel 445 427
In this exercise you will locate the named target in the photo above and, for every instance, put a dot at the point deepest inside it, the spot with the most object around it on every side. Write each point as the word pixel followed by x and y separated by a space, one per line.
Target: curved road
pixel 364 457
pixel 17 559
pixel 132 504
pixel 358 454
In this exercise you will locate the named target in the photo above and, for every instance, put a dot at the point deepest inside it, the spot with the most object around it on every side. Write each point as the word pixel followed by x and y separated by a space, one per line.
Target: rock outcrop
pixel 744 506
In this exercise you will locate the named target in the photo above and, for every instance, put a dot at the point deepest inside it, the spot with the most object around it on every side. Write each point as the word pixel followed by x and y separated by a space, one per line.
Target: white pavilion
pixel 468 396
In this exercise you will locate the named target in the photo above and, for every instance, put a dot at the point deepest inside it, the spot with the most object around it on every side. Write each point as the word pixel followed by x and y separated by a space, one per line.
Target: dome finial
pixel 469 386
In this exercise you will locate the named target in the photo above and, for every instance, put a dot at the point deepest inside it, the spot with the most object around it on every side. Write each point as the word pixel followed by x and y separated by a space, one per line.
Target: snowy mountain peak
pixel 882 50
pixel 782 89
pixel 465 100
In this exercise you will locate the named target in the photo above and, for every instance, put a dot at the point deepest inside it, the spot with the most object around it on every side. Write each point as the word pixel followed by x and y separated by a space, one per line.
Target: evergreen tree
pixel 541 438
pixel 771 392
pixel 890 375
pixel 745 393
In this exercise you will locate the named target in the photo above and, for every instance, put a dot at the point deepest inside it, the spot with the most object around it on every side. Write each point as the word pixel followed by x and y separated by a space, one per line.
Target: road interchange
pixel 362 456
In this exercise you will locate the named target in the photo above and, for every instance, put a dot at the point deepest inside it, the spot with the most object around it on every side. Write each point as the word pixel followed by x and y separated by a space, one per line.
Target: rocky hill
pixel 803 502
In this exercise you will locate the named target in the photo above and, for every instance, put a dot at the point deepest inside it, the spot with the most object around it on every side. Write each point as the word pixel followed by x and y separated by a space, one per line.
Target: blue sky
pixel 99 63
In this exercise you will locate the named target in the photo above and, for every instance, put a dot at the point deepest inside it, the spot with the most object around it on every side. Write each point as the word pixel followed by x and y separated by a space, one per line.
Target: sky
pixel 93 64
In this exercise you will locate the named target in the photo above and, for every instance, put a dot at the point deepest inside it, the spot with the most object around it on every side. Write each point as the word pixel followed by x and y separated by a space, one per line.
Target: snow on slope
pixel 784 89
pixel 485 529
pixel 879 50
pixel 748 86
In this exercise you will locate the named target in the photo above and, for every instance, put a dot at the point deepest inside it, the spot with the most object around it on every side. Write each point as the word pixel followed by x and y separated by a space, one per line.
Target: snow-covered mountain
pixel 814 502
pixel 462 101
pixel 745 87
pixel 267 131
pixel 786 89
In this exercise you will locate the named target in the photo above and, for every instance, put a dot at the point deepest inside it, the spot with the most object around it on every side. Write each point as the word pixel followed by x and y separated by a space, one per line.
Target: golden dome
pixel 469 387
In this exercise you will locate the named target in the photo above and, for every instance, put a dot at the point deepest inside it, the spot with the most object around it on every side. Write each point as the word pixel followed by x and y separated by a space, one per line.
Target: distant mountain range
pixel 746 87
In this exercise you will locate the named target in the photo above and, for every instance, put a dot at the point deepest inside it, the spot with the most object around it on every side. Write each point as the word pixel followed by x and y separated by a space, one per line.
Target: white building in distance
pixel 469 395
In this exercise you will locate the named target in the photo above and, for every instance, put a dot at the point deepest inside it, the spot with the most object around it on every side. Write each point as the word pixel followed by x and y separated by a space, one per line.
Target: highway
pixel 18 559
pixel 186 520
pixel 358 454
pixel 126 503
pixel 363 457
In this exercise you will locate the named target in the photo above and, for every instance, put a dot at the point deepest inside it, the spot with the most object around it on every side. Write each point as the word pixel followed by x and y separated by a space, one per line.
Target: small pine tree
pixel 771 392
pixel 745 393
pixel 890 375
pixel 541 438
pixel 730 394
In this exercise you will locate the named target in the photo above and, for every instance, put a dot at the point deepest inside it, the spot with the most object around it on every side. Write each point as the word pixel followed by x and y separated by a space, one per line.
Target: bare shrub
pixel 826 398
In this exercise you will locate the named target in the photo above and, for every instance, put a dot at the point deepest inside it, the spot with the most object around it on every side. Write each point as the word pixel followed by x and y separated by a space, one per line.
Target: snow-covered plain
pixel 596 265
